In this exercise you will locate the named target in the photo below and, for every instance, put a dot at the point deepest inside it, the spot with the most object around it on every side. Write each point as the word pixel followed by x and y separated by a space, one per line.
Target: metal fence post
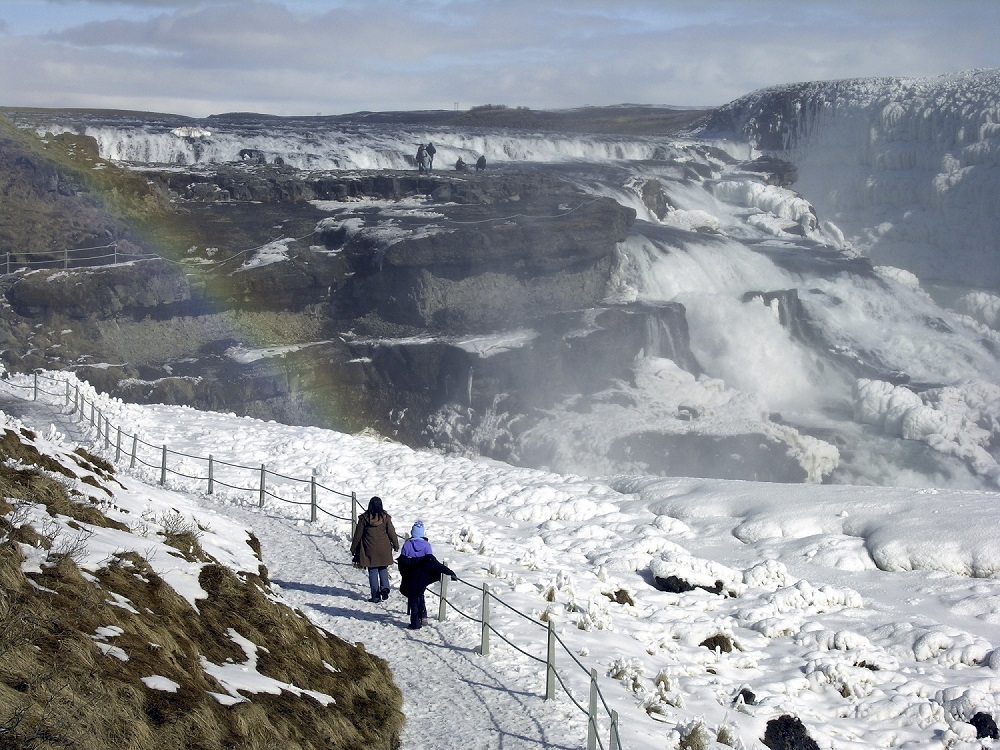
pixel 107 432
pixel 211 477
pixel 443 599
pixel 550 664
pixel 91 412
pixel 34 390
pixel 354 513
pixel 99 420
pixel 616 741
pixel 67 393
pixel 484 646
pixel 118 446
pixel 592 713
pixel 135 445
pixel 263 474
pixel 163 467
pixel 312 497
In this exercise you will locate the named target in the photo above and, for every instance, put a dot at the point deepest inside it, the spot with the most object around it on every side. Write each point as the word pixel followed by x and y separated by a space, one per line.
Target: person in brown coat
pixel 373 546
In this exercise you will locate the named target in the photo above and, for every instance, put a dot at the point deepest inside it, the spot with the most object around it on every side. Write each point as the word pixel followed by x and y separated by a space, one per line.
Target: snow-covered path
pixel 453 697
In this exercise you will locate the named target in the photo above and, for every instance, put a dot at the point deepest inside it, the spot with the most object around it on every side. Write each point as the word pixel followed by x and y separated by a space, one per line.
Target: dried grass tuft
pixel 59 689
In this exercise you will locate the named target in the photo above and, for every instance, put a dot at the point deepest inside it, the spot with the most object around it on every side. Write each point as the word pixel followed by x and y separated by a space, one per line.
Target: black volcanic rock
pixel 103 293
pixel 303 279
pixel 531 246
pixel 778 171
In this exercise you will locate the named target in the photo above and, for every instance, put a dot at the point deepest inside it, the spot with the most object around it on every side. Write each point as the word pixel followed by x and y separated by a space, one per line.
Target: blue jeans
pixel 378 579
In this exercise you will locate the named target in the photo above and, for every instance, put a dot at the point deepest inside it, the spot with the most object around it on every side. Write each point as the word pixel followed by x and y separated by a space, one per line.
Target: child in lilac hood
pixel 417 545
pixel 418 568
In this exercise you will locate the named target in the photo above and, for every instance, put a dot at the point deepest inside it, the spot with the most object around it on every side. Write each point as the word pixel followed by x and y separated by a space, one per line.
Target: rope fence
pixel 80 257
pixel 155 459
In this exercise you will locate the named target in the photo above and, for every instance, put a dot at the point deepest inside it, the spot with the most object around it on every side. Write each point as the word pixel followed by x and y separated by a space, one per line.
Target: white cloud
pixel 303 56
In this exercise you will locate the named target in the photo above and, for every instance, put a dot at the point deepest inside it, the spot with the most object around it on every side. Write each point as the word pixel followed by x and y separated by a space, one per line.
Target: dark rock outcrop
pixel 676 585
pixel 488 273
pixel 788 733
pixel 104 293
pixel 791 313
pixel 651 192
pixel 986 726
pixel 777 171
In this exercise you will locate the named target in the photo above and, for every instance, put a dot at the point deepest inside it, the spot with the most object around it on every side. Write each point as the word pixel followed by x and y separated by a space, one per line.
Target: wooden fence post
pixel 135 446
pixel 34 390
pixel 107 432
pixel 484 645
pixel 211 478
pixel 163 467
pixel 263 475
pixel 443 599
pixel 67 393
pixel 616 741
pixel 550 664
pixel 312 497
pixel 354 513
pixel 592 713
pixel 118 446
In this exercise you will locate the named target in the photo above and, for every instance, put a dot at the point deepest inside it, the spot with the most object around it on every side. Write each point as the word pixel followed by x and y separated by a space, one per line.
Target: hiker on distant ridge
pixel 422 158
pixel 374 542
pixel 418 568
pixel 430 156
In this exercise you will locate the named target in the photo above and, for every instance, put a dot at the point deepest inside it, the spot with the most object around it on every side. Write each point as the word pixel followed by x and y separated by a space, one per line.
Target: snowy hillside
pixel 135 616
pixel 707 607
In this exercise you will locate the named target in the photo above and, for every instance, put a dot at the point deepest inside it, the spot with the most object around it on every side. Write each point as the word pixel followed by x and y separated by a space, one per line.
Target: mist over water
pixel 849 372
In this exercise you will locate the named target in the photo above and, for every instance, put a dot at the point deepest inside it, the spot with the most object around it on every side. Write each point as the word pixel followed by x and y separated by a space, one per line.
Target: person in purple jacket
pixel 418 568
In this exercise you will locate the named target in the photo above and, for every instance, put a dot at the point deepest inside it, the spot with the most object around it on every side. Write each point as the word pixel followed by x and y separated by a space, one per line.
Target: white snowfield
pixel 871 613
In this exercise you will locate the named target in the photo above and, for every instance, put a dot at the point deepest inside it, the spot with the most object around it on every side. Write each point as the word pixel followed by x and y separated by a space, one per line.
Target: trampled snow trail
pixel 453 697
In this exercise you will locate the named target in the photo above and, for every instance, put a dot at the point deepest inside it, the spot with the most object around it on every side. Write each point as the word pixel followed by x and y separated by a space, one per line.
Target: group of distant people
pixel 425 160
pixel 372 547
pixel 461 166
pixel 425 157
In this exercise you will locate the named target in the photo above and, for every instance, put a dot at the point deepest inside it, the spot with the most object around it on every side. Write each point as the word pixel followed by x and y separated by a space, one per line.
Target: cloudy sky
pixel 199 57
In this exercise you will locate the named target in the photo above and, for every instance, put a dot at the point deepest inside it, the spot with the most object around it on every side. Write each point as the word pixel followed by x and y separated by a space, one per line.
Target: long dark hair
pixel 375 509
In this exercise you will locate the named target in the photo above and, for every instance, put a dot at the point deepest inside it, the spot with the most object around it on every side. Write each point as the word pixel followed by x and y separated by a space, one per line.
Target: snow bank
pixel 962 421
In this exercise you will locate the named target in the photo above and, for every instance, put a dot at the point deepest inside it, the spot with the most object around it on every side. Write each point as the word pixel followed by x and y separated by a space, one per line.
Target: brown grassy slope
pixel 58 689
pixel 56 193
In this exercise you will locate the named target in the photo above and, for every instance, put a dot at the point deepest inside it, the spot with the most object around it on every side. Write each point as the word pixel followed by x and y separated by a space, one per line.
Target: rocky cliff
pixel 406 298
